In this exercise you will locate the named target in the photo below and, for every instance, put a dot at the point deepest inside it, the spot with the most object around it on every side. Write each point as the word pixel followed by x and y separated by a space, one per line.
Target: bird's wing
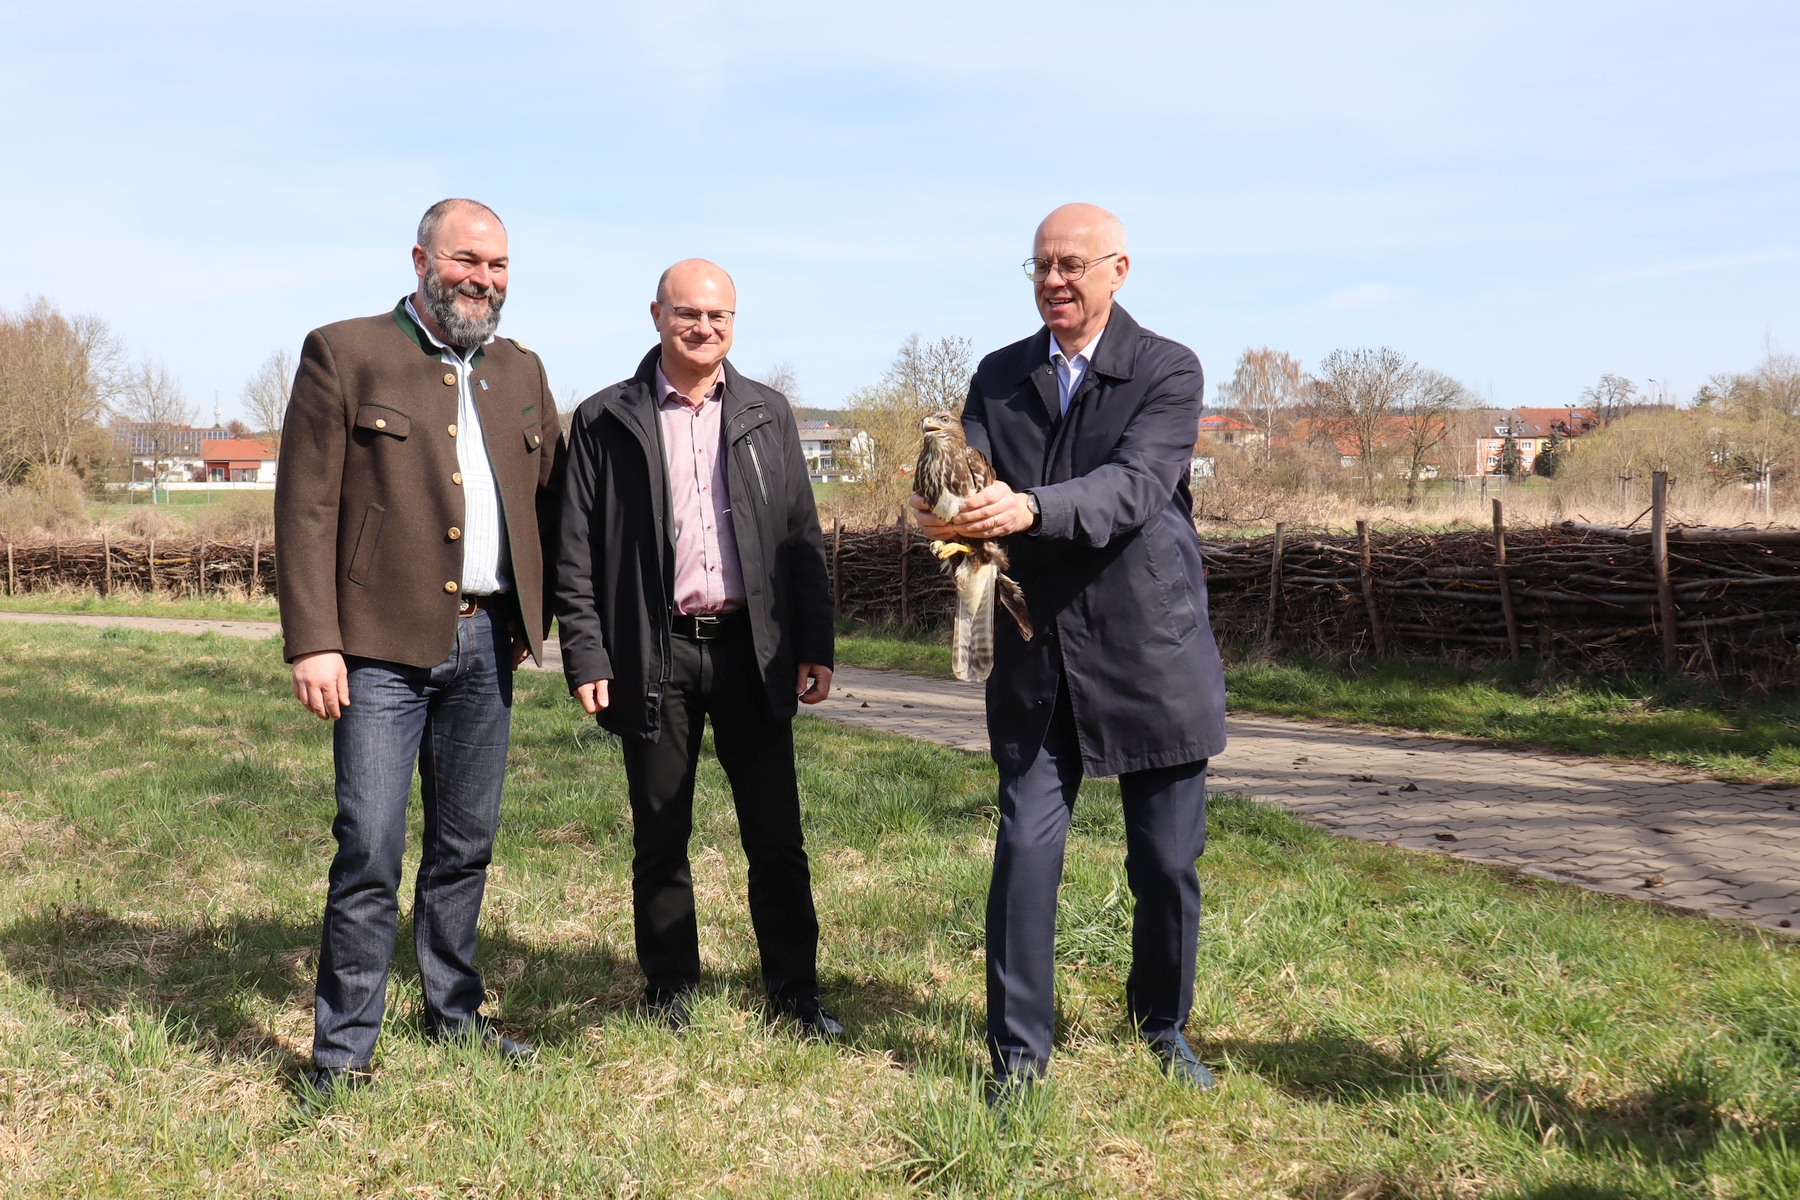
pixel 972 643
pixel 981 471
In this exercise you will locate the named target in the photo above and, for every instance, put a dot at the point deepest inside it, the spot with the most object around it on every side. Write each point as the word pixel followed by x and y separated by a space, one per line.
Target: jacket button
pixel 450 586
pixel 381 422
pixel 453 431
pixel 449 379
pixel 536 440
pixel 457 479
pixel 454 533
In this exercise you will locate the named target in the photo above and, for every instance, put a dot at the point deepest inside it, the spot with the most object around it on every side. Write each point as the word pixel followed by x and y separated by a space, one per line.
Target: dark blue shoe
pixel 1178 1062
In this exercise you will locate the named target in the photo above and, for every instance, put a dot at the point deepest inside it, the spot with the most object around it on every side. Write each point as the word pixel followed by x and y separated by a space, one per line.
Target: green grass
pixel 1749 741
pixel 142 604
pixel 1383 1024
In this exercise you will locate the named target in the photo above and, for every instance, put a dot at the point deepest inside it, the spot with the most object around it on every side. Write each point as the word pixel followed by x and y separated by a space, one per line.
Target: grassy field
pixel 1755 741
pixel 1384 1025
pixel 132 603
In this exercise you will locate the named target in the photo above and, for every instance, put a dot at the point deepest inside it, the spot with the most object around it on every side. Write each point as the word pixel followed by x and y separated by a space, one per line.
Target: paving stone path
pixel 1665 836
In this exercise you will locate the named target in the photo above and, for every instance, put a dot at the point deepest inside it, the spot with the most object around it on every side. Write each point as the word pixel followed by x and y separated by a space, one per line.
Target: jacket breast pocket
pixel 534 437
pixel 367 539
pixel 378 418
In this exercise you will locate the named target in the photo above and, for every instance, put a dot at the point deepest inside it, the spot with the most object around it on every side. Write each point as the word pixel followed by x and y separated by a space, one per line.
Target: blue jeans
pixel 455 720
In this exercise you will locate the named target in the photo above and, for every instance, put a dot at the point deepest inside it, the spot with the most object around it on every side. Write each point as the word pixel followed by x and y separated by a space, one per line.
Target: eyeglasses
pixel 687 318
pixel 1072 268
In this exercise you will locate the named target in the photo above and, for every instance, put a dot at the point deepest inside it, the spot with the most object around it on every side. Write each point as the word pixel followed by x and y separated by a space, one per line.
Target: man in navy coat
pixel 1090 425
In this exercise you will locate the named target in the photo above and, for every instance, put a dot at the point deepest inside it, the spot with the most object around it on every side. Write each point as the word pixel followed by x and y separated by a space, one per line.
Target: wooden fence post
pixel 200 570
pixel 106 551
pixel 151 560
pixel 1274 580
pixel 905 545
pixel 1659 561
pixel 256 567
pixel 837 545
pixel 1506 603
pixel 1368 590
pixel 12 583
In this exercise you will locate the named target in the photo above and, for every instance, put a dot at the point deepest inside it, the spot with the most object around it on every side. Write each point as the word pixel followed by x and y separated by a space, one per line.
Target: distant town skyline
pixel 1524 196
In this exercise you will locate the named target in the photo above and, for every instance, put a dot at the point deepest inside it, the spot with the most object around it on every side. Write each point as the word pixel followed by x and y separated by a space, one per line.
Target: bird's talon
pixel 947 550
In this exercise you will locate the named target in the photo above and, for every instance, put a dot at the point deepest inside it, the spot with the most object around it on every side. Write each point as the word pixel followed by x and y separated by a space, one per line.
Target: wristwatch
pixel 1037 511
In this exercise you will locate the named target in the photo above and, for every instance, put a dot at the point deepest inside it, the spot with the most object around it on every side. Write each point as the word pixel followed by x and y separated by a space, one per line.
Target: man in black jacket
pixel 1090 424
pixel 692 584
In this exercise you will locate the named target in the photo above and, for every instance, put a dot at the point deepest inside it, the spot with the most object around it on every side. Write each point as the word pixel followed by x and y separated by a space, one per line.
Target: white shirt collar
pixel 433 338
pixel 1087 352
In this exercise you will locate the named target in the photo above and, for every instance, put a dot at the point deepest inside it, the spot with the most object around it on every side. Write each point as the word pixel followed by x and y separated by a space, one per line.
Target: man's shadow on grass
pixel 1676 1120
pixel 212 984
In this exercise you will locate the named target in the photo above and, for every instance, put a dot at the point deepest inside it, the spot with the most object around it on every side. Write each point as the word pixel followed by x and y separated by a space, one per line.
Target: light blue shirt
pixel 1071 371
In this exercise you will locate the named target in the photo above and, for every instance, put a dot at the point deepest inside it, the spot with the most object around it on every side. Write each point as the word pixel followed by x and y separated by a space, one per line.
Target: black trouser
pixel 1165 831
pixel 720 679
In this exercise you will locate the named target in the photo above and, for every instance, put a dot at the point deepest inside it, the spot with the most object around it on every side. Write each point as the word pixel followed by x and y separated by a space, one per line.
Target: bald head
pixel 1086 223
pixel 1082 248
pixel 695 274
pixel 693 311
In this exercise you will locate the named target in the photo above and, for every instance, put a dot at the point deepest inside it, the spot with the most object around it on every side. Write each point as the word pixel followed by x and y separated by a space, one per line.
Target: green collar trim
pixel 421 339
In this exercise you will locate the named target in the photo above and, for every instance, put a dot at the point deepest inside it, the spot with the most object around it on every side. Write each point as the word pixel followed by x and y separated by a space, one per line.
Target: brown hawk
pixel 948 473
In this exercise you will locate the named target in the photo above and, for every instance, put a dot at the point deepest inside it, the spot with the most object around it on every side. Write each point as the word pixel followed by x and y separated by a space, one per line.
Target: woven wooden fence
pixel 162 565
pixel 1718 603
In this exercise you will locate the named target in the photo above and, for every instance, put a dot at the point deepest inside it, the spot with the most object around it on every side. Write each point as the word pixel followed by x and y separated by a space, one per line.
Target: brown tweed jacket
pixel 368 507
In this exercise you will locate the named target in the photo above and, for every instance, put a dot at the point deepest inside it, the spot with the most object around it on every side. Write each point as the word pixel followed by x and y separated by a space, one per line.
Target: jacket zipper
pixel 757 463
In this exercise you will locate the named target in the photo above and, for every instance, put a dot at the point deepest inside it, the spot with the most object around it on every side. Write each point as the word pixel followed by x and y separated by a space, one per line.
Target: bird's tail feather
pixel 972 646
pixel 1012 596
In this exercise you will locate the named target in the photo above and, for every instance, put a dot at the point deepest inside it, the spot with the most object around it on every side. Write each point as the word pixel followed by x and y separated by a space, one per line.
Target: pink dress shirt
pixel 708 577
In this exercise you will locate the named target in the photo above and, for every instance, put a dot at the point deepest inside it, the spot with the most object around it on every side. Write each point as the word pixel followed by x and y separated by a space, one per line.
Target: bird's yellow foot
pixel 948 550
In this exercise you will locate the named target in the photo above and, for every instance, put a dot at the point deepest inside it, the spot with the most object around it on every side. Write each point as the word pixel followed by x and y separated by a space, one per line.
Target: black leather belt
pixel 710 627
pixel 474 604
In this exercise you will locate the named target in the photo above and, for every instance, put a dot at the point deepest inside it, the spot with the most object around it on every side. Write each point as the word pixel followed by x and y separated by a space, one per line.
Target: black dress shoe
pixel 491 1039
pixel 1179 1062
pixel 672 1011
pixel 323 1085
pixel 816 1021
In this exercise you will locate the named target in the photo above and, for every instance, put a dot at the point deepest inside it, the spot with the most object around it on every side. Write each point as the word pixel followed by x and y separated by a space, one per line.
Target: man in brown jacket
pixel 418 454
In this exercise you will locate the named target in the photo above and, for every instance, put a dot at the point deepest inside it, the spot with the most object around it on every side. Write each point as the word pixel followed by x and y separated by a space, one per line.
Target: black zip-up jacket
pixel 616 565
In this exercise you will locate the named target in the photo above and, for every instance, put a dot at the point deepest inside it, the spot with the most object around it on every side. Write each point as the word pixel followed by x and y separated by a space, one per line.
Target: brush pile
pixel 167 565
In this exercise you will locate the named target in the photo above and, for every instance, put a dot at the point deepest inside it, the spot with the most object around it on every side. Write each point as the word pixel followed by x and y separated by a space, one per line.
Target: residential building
pixel 1226 430
pixel 1531 430
pixel 833 453
pixel 238 460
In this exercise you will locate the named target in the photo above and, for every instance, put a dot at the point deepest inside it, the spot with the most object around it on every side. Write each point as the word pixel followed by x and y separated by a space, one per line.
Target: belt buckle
pixel 701 624
pixel 469 607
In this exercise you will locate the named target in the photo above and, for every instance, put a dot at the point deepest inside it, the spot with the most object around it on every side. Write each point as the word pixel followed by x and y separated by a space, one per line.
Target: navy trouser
pixel 1165 832
pixel 454 719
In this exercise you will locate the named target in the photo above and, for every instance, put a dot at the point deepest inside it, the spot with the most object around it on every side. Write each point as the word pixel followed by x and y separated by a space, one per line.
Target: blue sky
pixel 1523 195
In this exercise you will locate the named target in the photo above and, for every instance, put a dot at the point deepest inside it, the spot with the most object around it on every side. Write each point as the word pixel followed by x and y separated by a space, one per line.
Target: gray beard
pixel 456 329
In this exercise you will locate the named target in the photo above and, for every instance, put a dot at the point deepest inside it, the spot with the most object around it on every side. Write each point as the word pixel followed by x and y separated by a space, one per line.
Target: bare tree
pixel 925 377
pixel 1612 398
pixel 1359 394
pixel 1426 407
pixel 782 378
pixel 1268 387
pixel 266 395
pixel 936 374
pixel 58 375
pixel 154 400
